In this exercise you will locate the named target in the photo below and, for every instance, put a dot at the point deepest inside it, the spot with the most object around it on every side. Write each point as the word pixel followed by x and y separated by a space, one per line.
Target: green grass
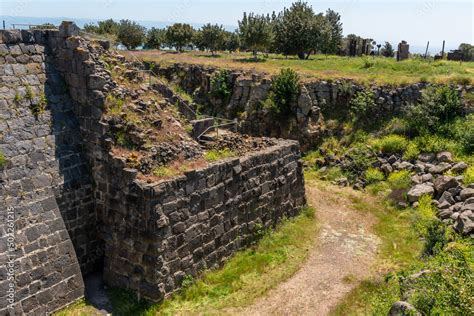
pixel 215 155
pixel 391 144
pixel 400 247
pixel 379 69
pixel 247 275
pixel 165 172
pixel 79 308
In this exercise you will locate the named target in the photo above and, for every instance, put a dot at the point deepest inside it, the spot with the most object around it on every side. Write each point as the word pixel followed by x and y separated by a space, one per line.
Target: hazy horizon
pixel 414 21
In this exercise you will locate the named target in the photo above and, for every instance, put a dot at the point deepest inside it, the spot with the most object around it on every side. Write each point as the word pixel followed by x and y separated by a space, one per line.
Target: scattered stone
pixel 402 308
pixel 459 167
pixel 464 223
pixel 418 191
pixel 426 157
pixel 443 183
pixel 440 168
pixel 466 194
pixel 444 156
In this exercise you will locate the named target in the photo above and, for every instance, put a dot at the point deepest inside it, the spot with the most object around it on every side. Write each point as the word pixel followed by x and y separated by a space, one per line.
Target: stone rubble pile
pixel 453 199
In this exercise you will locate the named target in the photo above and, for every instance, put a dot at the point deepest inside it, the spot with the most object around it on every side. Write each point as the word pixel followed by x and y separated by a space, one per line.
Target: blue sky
pixel 416 21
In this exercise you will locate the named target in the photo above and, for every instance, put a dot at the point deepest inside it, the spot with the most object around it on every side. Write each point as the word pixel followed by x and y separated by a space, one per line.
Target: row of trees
pixel 297 30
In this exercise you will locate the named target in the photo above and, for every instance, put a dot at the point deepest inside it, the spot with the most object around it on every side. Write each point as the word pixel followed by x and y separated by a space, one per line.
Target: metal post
pixel 442 51
pixel 426 51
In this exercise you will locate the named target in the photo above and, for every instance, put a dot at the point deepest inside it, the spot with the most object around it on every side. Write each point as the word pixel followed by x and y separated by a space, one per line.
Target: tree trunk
pixel 255 55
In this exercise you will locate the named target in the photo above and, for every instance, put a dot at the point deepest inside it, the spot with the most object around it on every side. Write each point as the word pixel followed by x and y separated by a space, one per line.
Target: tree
pixel 179 35
pixel 387 50
pixel 130 34
pixel 231 41
pixel 155 38
pixel 335 41
pixel 468 51
pixel 108 26
pixel 212 37
pixel 298 30
pixel 255 32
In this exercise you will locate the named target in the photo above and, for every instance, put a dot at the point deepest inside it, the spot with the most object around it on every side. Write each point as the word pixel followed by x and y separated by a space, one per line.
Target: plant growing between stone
pixel 3 160
pixel 220 87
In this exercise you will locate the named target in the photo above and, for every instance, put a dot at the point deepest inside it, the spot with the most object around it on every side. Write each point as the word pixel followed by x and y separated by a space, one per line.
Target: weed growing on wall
pixel 220 86
pixel 3 160
pixel 284 91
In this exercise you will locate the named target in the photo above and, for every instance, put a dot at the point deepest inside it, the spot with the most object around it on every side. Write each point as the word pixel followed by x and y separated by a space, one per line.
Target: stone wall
pixel 159 233
pixel 45 182
pixel 319 100
pixel 71 197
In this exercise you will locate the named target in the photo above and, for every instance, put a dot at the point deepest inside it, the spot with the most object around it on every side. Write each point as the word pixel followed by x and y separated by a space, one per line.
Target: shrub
pixel 396 126
pixel 399 180
pixel 435 144
pixel 391 144
pixel 462 131
pixel 130 34
pixel 468 176
pixel 285 89
pixel 438 106
pixel 438 235
pixel 373 175
pixel 446 287
pixel 363 107
pixel 425 213
pixel 412 152
pixel 220 86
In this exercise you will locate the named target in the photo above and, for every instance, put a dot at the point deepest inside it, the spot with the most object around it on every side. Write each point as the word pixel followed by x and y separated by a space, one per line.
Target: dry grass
pixel 362 69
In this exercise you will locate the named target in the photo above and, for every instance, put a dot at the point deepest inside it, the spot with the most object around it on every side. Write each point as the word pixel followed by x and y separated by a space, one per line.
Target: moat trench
pixel 341 256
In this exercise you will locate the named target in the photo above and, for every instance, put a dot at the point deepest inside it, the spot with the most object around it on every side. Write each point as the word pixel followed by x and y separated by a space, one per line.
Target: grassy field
pixel 362 69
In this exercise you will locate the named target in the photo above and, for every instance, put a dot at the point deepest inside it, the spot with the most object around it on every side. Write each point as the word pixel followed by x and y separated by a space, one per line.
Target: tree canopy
pixel 179 35
pixel 130 34
pixel 212 37
pixel 256 33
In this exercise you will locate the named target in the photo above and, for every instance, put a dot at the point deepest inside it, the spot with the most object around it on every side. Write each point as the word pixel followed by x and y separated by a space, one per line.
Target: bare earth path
pixel 344 252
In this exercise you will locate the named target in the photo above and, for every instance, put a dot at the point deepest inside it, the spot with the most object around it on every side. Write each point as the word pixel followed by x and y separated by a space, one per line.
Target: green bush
pixel 462 130
pixel 363 108
pixel 373 175
pixel 435 144
pixel 468 176
pixel 220 86
pixel 397 126
pixel 284 91
pixel 438 235
pixel 399 180
pixel 391 144
pixel 447 284
pixel 438 106
pixel 411 152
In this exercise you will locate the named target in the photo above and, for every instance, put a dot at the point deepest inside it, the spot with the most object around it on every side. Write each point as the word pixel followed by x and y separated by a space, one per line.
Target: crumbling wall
pixel 67 197
pixel 318 101
pixel 161 232
pixel 45 186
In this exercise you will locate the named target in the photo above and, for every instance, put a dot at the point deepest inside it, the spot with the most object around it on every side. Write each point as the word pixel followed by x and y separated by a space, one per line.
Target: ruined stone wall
pixel 45 185
pixel 159 233
pixel 319 100
pixel 67 197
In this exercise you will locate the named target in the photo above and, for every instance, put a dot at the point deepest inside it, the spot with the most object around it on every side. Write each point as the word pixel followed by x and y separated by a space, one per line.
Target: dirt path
pixel 343 254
